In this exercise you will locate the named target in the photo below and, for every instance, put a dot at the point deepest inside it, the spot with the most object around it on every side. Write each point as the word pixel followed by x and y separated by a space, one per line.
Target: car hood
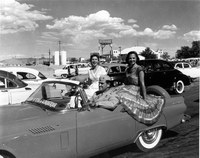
pixel 18 112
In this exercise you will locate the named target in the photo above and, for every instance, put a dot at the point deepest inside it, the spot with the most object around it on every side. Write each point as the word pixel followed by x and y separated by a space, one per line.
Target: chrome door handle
pixel 5 90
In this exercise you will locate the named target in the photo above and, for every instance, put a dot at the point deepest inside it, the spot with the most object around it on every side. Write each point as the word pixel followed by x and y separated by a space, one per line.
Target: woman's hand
pixel 84 84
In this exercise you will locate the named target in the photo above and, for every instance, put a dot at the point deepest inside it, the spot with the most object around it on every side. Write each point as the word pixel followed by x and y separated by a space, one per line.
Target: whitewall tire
pixel 149 139
pixel 179 87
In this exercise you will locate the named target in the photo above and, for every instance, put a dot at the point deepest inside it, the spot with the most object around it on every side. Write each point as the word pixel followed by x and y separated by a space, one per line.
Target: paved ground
pixel 180 142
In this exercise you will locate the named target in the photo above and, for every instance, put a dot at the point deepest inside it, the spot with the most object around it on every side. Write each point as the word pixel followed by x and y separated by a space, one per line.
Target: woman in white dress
pixel 93 75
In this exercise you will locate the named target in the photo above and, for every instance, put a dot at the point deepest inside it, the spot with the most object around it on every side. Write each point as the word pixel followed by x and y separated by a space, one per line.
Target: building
pixel 116 53
pixel 140 49
pixel 60 58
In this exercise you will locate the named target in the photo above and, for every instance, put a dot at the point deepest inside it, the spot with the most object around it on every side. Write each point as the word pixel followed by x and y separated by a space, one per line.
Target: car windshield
pixel 55 96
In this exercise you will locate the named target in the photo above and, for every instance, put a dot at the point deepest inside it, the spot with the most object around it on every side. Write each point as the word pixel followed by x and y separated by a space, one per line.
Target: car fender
pixel 157 90
pixel 174 107
pixel 180 76
pixel 161 123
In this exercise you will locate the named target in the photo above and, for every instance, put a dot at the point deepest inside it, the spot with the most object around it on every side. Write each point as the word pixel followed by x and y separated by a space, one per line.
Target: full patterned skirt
pixel 145 111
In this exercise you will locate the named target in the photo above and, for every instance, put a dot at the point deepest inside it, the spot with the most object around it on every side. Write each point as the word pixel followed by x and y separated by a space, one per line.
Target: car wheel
pixel 4 154
pixel 149 139
pixel 64 75
pixel 179 87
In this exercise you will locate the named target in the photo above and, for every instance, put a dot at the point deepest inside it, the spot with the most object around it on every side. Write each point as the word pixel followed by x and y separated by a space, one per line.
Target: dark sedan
pixel 162 73
pixel 157 72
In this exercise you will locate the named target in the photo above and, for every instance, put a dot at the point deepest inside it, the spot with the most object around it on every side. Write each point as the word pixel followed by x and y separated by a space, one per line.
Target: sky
pixel 32 28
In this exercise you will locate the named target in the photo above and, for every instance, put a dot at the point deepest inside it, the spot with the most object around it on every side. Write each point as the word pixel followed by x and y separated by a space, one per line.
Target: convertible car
pixel 54 123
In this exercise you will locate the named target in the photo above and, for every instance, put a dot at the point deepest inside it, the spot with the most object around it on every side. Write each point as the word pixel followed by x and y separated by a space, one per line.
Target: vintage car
pixel 187 69
pixel 12 89
pixel 54 123
pixel 157 72
pixel 71 70
pixel 28 75
pixel 116 71
pixel 162 73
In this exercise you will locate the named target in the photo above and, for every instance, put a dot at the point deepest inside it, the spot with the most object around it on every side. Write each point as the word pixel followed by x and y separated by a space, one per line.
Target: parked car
pixel 157 72
pixel 116 71
pixel 46 126
pixel 187 69
pixel 162 73
pixel 28 75
pixel 71 70
pixel 12 89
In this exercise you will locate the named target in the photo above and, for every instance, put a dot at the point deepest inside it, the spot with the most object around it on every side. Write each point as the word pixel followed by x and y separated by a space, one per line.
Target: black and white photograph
pixel 99 78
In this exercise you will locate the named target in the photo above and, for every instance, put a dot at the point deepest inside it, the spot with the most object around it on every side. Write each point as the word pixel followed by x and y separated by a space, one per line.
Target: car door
pixel 17 95
pixel 20 94
pixel 100 129
pixel 168 75
pixel 150 74
pixel 4 94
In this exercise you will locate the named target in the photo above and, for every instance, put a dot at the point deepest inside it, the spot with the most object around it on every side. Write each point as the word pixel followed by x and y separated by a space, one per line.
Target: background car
pixel 45 126
pixel 116 71
pixel 28 75
pixel 71 70
pixel 157 72
pixel 162 73
pixel 187 69
pixel 12 89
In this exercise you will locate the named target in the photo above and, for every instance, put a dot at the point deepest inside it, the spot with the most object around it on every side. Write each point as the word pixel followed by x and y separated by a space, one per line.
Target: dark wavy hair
pixel 94 55
pixel 128 55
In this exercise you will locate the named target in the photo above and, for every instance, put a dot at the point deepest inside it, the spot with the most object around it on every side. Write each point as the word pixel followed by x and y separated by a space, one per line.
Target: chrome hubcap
pixel 150 136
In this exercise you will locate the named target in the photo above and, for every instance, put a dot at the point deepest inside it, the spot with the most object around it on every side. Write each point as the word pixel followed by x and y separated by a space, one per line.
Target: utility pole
pixel 120 48
pixel 49 57
pixel 59 49
pixel 59 44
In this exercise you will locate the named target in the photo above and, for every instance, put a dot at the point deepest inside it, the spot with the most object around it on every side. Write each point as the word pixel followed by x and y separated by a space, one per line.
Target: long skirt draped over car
pixel 145 111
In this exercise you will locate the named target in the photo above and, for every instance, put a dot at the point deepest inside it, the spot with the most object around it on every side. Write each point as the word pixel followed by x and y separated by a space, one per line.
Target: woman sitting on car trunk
pixel 144 108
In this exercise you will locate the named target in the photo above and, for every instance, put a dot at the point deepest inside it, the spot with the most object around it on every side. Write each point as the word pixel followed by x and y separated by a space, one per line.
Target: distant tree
pixel 195 50
pixel 187 52
pixel 165 56
pixel 148 54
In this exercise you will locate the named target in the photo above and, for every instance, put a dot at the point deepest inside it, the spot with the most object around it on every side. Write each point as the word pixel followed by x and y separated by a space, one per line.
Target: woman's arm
pixel 142 84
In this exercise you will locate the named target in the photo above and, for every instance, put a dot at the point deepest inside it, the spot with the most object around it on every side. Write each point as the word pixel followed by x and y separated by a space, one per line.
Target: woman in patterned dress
pixel 144 108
